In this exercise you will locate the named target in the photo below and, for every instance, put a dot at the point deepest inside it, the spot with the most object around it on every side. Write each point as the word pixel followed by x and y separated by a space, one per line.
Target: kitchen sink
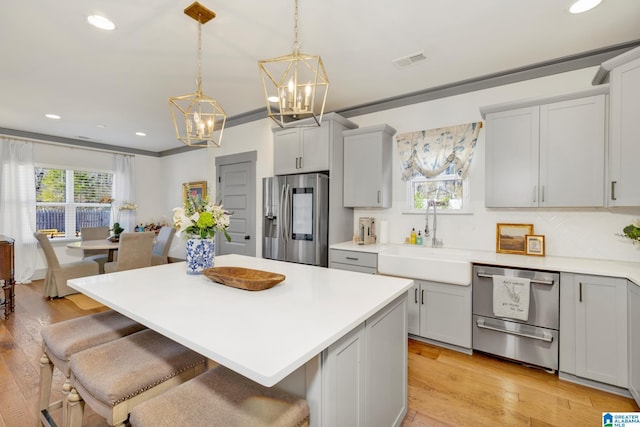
pixel 443 265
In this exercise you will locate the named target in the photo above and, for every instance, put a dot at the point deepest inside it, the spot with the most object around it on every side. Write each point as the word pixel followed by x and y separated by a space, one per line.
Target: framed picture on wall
pixel 534 244
pixel 194 189
pixel 510 238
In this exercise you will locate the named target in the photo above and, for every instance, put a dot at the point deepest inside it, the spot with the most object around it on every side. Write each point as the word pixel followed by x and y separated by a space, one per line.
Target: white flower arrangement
pixel 200 219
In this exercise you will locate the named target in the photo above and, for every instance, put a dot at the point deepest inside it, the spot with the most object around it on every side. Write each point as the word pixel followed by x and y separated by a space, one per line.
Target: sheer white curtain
pixel 18 203
pixel 124 191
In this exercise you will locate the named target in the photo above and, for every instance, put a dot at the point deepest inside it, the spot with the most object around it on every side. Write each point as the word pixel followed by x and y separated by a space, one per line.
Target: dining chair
pixel 161 247
pixel 98 255
pixel 134 251
pixel 55 282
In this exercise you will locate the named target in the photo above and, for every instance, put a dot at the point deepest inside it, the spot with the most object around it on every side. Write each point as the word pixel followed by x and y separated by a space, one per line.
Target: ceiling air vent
pixel 409 60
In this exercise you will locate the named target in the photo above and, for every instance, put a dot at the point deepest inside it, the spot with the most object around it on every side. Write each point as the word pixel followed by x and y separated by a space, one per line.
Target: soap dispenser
pixel 413 236
pixel 419 239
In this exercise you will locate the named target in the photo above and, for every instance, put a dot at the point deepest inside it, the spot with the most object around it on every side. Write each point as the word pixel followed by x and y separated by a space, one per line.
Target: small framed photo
pixel 194 189
pixel 510 238
pixel 534 244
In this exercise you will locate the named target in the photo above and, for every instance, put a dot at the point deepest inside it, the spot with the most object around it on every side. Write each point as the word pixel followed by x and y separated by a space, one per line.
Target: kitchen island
pixel 300 335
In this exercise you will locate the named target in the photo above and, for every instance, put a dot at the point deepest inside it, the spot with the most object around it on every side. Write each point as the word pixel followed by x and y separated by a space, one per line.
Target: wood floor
pixel 446 388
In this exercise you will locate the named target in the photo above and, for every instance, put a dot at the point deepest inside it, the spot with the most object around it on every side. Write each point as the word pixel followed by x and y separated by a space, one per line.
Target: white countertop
pixel 627 270
pixel 263 335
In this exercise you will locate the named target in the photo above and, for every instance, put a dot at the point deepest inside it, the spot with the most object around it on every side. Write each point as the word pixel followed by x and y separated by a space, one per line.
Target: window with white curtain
pixel 68 200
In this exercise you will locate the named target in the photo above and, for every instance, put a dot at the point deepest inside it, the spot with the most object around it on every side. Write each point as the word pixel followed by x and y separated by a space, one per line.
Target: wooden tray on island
pixel 243 278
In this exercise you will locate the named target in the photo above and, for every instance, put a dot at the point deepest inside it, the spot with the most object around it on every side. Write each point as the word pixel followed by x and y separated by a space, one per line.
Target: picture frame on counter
pixel 194 189
pixel 534 244
pixel 511 238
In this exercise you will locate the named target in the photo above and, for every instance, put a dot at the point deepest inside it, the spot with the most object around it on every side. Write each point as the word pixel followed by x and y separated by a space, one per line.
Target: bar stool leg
pixel 46 378
pixel 75 409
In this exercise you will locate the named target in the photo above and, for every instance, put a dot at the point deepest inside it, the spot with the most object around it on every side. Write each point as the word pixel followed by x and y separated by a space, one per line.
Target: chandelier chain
pixel 296 44
pixel 199 53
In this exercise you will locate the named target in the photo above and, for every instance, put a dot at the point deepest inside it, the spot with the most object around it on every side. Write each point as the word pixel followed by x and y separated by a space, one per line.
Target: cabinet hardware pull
pixel 541 282
pixel 378 196
pixel 535 193
pixel 546 338
pixel 613 190
pixel 422 297
pixel 542 197
pixel 580 293
pixel 415 294
pixel 300 162
pixel 351 258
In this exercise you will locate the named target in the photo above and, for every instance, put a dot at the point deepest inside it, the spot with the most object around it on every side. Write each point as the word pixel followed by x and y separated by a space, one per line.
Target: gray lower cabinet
pixel 634 340
pixel 365 372
pixel 440 312
pixel 593 328
pixel 362 262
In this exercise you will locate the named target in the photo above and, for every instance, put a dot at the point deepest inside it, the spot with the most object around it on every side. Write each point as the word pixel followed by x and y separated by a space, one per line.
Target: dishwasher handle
pixel 480 324
pixel 541 282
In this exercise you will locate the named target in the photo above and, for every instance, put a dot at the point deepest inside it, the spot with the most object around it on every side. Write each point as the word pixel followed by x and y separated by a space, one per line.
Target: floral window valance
pixel 431 152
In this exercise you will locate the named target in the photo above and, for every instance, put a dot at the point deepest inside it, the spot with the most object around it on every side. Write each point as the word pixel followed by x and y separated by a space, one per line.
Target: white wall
pixel 199 165
pixel 588 233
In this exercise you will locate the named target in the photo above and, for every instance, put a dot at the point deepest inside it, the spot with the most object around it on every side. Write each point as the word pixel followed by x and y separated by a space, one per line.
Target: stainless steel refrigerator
pixel 296 218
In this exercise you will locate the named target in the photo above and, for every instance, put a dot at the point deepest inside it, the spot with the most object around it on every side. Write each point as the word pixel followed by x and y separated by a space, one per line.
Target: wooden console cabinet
pixel 6 275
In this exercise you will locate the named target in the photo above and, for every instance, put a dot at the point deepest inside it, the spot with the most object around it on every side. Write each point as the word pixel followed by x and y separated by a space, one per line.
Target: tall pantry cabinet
pixel 623 75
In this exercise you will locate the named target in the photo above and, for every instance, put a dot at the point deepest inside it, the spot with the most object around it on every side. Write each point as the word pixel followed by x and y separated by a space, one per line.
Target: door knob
pixel 247 237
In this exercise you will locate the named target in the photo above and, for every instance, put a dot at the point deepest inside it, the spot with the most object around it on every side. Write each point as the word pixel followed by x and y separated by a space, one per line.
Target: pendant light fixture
pixel 295 85
pixel 196 116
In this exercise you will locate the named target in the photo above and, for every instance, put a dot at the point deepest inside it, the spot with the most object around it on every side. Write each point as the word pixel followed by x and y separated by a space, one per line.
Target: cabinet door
pixel 413 309
pixel 315 149
pixel 572 137
pixel 601 329
pixel 634 341
pixel 386 371
pixel 344 378
pixel 286 151
pixel 624 141
pixel 445 313
pixel 511 175
pixel 363 172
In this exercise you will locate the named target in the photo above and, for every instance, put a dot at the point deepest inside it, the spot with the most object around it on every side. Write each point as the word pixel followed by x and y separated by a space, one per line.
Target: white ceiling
pixel 52 61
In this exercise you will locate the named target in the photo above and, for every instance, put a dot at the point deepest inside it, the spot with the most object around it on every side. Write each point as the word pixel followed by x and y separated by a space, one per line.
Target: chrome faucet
pixel 435 242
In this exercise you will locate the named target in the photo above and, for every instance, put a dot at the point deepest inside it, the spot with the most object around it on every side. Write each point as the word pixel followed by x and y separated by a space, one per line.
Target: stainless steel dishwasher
pixel 533 341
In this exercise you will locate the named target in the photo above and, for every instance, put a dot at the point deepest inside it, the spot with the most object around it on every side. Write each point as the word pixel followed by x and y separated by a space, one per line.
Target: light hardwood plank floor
pixel 446 388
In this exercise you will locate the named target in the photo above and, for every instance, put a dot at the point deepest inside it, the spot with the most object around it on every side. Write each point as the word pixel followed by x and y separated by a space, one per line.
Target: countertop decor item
pixel 199 220
pixel 632 232
pixel 244 278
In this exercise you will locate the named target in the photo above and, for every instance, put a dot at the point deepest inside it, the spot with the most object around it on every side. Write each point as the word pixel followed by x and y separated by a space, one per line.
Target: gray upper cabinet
pixel 368 155
pixel 546 152
pixel 623 73
pixel 309 149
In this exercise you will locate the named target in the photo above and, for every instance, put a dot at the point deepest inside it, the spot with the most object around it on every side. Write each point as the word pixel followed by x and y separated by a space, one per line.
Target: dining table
pixel 291 335
pixel 101 244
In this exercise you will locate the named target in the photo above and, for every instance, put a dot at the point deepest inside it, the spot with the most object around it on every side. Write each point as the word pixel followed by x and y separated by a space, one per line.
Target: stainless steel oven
pixel 533 340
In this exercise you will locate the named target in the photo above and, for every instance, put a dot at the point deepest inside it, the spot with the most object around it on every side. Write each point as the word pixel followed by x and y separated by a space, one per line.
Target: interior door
pixel 236 192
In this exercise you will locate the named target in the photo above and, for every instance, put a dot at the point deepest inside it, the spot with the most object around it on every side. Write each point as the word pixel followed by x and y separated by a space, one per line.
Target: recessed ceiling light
pixel 100 126
pixel 52 116
pixel 273 99
pixel 580 6
pixel 141 134
pixel 101 22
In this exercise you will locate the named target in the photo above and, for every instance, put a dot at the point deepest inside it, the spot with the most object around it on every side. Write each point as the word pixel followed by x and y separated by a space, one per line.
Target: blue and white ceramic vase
pixel 200 255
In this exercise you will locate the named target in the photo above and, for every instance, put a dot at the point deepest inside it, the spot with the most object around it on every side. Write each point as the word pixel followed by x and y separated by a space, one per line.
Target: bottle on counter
pixel 413 236
pixel 419 239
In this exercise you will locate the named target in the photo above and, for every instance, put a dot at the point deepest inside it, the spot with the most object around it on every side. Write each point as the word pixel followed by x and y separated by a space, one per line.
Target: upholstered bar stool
pixel 114 377
pixel 222 398
pixel 61 340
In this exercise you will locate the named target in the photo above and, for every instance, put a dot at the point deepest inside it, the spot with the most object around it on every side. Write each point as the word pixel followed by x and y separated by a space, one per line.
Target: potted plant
pixel 199 220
